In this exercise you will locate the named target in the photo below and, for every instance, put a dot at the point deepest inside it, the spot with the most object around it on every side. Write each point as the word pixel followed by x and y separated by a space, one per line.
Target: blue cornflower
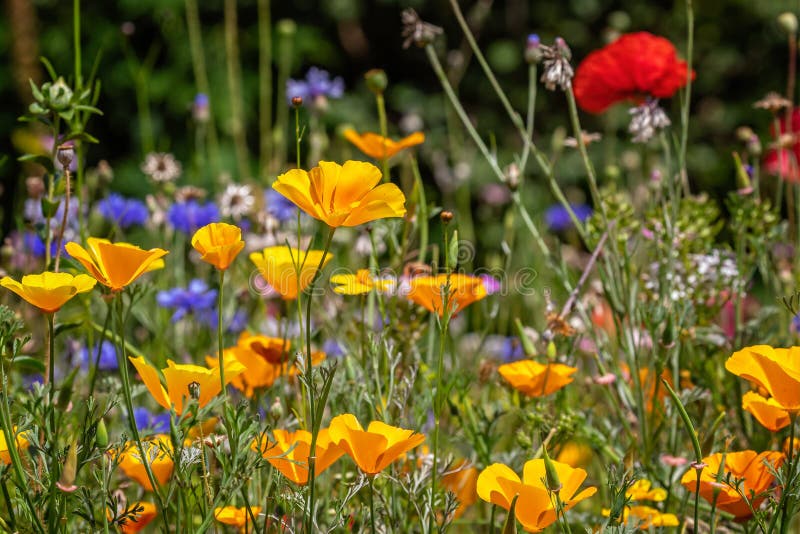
pixel 279 206
pixel 332 348
pixel 191 215
pixel 197 299
pixel 557 217
pixel 144 420
pixel 35 245
pixel 511 349
pixel 108 356
pixel 125 212
pixel 317 83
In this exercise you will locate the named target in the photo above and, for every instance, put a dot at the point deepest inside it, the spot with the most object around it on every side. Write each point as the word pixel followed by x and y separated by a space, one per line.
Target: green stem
pixel 686 100
pixel 201 75
pixel 265 85
pixel 422 212
pixel 312 408
pixel 76 43
pixel 94 368
pixel 381 104
pixel 587 163
pixel 122 360
pixel 789 478
pixel 220 352
pixel 234 71
pixel 51 431
pixel 372 505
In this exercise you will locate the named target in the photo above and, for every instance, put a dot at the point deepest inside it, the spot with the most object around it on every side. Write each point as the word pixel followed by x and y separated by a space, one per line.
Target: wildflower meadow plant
pixel 415 317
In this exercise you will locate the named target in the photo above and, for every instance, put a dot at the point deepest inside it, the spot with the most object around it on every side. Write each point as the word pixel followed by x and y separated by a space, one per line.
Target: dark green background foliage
pixel 740 54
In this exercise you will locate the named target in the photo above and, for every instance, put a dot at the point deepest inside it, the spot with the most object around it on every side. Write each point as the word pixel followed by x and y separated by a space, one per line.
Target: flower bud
pixel 101 434
pixel 297 101
pixel 59 94
pixel 527 345
pixel 788 22
pixel 69 471
pixel 551 351
pixel 287 27
pixel 533 49
pixel 377 81
pixel 276 409
pixel 552 481
pixel 446 216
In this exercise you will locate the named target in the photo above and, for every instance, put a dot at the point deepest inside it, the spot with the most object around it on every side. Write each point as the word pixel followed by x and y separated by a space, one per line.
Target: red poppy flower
pixel 784 161
pixel 634 66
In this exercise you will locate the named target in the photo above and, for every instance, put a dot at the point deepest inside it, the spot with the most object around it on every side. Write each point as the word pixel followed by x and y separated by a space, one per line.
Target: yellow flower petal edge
pixel 49 291
pixel 379 147
pixel 115 265
pixel 342 195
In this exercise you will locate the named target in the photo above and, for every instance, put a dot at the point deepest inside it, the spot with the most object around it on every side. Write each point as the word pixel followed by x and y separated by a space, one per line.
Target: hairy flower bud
pixel 788 22
pixel 377 81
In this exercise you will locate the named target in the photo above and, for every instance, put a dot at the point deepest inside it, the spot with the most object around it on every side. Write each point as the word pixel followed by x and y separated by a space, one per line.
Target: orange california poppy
pixel 376 447
pixel 535 379
pixel 462 480
pixel 236 517
pixel 289 453
pixel 644 517
pixel 378 147
pixel 747 465
pixel 145 512
pixel 274 350
pixel 179 378
pixel 218 244
pixel 49 291
pixel 115 265
pixel 264 361
pixel 535 509
pixel 777 371
pixel 279 266
pixel 22 444
pixel 462 290
pixel 359 283
pixel 159 450
pixel 342 195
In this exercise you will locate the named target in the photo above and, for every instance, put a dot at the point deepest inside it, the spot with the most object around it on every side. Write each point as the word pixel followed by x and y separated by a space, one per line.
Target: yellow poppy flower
pixel 359 283
pixel 645 517
pixel 218 244
pixel 641 491
pixel 342 195
pixel 535 509
pixel 535 379
pixel 236 517
pixel 115 264
pixel 278 265
pixel 145 513
pixel 179 378
pixel 49 291
pixel 777 371
pixel 289 453
pixel 159 450
pixel 379 147
pixel 21 441
pixel 463 290
pixel 376 447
